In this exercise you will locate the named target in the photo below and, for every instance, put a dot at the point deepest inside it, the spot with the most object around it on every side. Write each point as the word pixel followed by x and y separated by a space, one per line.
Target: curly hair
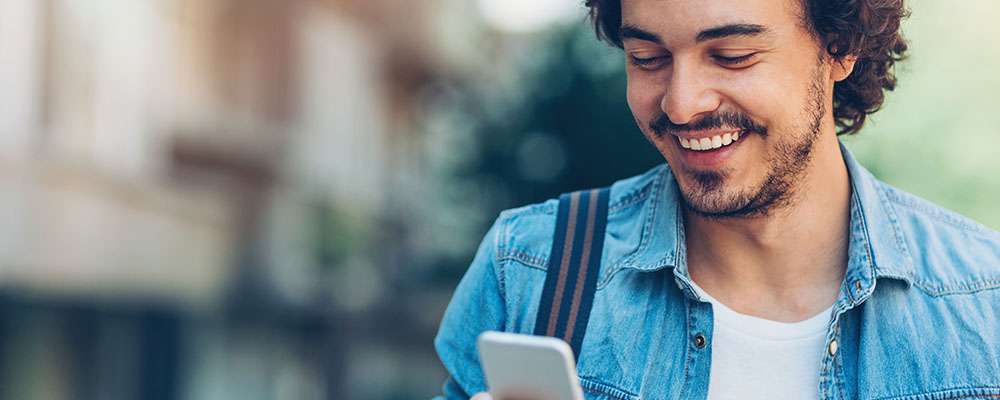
pixel 865 29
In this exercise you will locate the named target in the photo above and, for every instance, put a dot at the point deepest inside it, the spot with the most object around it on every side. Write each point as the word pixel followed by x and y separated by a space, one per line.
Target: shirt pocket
pixel 593 390
pixel 980 393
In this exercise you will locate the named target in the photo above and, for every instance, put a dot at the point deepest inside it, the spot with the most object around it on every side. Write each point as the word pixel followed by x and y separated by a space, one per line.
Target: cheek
pixel 778 93
pixel 750 88
pixel 764 98
pixel 643 97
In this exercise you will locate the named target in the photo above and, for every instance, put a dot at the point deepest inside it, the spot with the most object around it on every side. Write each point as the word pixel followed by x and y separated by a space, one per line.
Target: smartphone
pixel 528 367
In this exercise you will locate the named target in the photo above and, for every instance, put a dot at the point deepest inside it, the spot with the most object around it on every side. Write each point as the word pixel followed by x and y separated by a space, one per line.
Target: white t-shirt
pixel 756 358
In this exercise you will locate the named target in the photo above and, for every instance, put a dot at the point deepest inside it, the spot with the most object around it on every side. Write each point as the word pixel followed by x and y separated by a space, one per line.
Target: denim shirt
pixel 917 317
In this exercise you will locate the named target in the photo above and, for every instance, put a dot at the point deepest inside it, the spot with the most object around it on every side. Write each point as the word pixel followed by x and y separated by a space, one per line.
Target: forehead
pixel 681 20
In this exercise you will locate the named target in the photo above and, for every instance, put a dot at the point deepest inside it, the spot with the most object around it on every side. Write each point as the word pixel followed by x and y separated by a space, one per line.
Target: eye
pixel 647 62
pixel 733 62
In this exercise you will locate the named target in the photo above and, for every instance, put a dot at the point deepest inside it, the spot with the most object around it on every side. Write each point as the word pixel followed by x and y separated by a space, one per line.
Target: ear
pixel 841 68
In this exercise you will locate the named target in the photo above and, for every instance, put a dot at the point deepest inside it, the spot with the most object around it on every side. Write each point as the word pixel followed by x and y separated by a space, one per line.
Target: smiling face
pixel 734 93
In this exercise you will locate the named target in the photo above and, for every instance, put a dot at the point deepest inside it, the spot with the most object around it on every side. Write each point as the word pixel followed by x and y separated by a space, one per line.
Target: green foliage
pixel 570 127
pixel 934 135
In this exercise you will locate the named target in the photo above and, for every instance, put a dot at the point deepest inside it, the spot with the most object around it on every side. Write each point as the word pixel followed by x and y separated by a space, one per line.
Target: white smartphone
pixel 521 366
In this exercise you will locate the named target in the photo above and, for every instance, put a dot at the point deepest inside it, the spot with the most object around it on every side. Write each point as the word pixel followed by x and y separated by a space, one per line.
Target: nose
pixel 688 93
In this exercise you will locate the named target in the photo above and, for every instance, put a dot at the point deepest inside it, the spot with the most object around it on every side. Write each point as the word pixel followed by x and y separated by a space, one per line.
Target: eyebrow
pixel 633 32
pixel 730 30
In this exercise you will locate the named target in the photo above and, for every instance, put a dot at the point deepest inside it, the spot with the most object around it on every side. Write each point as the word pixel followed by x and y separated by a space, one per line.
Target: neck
pixel 789 264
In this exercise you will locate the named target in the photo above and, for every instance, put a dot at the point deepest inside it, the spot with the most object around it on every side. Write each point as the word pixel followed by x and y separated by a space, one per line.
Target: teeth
pixel 709 143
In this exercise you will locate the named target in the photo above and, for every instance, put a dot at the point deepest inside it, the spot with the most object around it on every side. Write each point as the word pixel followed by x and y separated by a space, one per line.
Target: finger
pixel 482 396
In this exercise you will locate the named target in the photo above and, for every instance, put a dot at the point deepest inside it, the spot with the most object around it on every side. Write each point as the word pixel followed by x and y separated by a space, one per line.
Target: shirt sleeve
pixel 477 306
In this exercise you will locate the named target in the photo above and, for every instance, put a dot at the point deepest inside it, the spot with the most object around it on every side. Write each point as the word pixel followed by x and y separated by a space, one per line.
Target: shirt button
pixel 833 347
pixel 699 341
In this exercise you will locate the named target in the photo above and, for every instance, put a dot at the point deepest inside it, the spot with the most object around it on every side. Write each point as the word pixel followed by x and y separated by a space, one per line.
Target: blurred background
pixel 273 199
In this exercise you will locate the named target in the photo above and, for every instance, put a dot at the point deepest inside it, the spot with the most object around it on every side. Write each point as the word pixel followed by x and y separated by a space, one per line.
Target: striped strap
pixel 574 264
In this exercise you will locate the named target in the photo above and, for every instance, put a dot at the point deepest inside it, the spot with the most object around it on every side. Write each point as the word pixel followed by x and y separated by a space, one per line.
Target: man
pixel 762 261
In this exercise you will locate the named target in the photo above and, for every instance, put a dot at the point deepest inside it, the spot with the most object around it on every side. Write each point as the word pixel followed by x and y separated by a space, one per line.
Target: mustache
pixel 661 124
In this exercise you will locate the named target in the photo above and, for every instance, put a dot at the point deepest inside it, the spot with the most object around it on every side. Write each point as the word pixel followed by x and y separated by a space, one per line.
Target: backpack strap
pixel 574 265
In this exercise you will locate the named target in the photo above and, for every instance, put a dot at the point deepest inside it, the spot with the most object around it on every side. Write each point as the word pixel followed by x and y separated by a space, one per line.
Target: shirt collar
pixel 877 248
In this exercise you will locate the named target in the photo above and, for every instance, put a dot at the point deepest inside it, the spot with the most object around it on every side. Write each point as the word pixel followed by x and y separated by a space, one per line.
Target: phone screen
pixel 526 367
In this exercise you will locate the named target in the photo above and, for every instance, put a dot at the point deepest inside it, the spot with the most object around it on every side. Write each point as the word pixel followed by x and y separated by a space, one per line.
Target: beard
pixel 786 168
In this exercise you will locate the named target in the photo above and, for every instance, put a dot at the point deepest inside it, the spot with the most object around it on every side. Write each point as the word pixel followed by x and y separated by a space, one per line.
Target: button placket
pixel 828 378
pixel 699 360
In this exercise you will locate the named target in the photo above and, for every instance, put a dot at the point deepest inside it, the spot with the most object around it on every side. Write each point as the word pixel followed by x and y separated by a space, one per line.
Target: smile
pixel 709 143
